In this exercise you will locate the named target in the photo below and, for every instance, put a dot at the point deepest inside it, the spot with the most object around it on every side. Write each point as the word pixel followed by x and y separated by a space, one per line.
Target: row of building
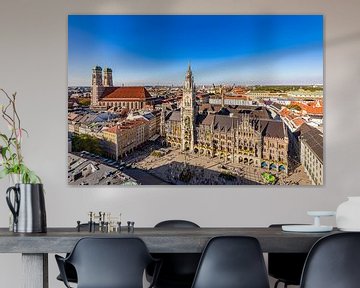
pixel 127 135
pixel 305 126
pixel 118 134
pixel 294 94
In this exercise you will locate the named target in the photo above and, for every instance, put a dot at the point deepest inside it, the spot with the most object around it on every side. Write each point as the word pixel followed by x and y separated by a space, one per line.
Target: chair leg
pixel 277 283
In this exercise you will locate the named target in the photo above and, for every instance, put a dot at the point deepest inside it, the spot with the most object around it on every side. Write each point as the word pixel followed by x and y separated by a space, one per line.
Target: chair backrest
pixel 110 262
pixel 333 262
pixel 176 224
pixel 178 267
pixel 232 262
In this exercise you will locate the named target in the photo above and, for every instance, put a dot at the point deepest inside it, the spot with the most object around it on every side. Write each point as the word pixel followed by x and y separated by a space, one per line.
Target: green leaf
pixel 3 151
pixel 4 137
pixel 4 173
pixel 28 176
pixel 34 179
pixel 16 169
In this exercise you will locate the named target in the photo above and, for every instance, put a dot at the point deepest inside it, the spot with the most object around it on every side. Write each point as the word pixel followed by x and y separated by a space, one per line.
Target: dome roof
pixel 107 69
pixel 97 68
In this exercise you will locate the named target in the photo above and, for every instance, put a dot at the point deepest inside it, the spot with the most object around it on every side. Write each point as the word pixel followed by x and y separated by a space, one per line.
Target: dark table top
pixel 158 240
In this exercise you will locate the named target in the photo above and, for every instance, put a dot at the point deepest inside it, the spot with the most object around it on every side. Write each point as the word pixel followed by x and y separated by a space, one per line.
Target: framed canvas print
pixel 195 100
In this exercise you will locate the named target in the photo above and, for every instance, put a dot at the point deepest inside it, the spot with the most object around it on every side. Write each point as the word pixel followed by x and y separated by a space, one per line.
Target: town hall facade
pixel 235 134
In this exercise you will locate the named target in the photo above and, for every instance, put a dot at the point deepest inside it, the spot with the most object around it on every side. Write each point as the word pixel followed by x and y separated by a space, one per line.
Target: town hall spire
pixel 188 112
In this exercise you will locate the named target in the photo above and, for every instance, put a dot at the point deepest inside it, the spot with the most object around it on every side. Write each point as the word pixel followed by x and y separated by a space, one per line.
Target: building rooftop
pixel 88 118
pixel 313 138
pixel 268 128
pixel 311 107
pixel 205 108
pixel 235 110
pixel 125 94
pixel 272 128
pixel 298 121
pixel 125 125
pixel 175 116
pixel 276 105
pixel 82 171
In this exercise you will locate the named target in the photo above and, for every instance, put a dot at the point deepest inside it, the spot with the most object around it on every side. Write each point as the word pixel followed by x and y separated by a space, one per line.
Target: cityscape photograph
pixel 195 100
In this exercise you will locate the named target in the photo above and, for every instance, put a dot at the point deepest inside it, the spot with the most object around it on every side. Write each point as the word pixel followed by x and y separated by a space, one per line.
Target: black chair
pixel 176 224
pixel 333 262
pixel 232 262
pixel 70 271
pixel 286 267
pixel 108 263
pixel 178 269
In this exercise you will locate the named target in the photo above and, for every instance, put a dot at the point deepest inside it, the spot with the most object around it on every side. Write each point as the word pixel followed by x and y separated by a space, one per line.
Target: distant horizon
pixel 154 50
pixel 216 84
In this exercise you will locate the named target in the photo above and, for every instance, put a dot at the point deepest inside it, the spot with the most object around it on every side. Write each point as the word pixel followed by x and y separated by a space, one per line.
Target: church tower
pixel 96 85
pixel 188 113
pixel 108 81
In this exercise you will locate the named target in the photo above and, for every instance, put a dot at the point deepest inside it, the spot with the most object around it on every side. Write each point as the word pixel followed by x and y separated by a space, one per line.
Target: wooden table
pixel 35 247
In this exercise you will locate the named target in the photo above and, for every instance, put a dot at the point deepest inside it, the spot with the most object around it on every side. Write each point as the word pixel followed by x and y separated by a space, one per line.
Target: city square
pixel 206 171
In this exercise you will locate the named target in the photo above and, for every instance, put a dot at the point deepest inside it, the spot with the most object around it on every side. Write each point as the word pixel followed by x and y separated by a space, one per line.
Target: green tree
pixel 294 107
pixel 84 101
pixel 86 142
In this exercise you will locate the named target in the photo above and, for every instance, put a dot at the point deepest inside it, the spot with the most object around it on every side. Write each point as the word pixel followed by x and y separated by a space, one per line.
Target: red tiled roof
pixel 128 124
pixel 284 112
pixel 111 129
pixel 125 94
pixel 72 116
pixel 239 90
pixel 298 121
pixel 312 108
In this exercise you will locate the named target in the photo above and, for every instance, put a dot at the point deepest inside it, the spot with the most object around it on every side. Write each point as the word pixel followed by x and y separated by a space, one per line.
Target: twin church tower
pixel 98 83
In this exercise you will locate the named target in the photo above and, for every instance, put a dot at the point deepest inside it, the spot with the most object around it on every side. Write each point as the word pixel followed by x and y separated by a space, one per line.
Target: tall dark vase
pixel 27 204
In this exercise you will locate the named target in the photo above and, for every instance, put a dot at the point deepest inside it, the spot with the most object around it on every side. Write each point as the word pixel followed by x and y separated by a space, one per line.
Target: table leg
pixel 35 270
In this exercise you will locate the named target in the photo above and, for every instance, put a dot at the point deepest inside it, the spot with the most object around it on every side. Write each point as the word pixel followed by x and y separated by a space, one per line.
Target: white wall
pixel 33 62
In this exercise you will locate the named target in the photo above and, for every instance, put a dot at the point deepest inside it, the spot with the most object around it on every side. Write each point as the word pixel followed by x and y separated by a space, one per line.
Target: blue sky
pixel 156 49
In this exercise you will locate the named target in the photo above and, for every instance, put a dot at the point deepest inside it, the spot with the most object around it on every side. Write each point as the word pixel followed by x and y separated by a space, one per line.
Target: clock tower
pixel 188 113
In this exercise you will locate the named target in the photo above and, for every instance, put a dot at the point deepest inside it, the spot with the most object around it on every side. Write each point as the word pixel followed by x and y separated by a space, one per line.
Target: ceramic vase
pixel 13 179
pixel 27 204
pixel 348 215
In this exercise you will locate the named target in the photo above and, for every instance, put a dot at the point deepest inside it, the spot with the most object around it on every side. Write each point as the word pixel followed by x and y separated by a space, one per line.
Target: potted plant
pixel 12 161
pixel 26 197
